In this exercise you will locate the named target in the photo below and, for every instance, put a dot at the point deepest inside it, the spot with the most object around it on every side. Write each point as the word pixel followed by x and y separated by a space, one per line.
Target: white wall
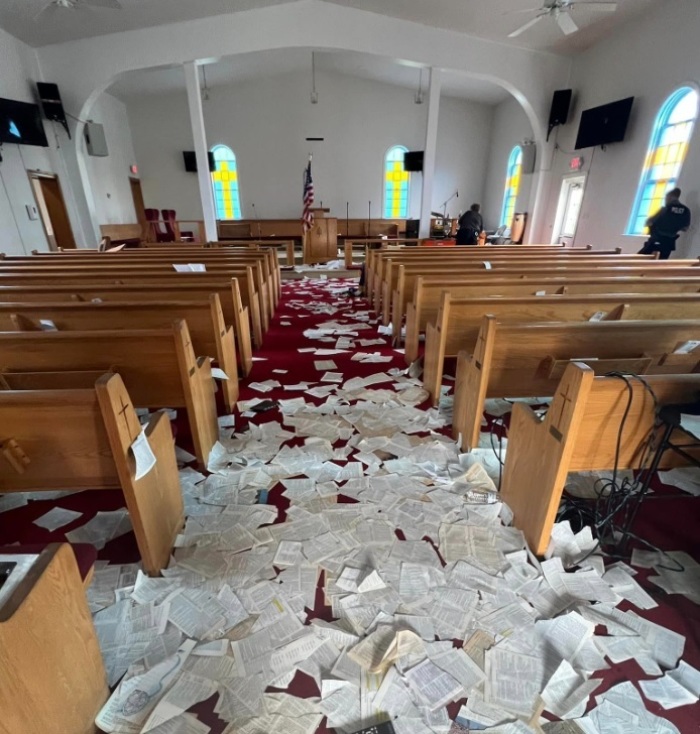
pixel 109 177
pixel 649 59
pixel 266 122
pixel 18 234
pixel 464 139
pixel 510 127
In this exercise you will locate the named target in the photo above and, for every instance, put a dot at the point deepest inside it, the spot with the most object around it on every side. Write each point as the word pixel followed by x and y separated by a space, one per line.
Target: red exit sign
pixel 576 163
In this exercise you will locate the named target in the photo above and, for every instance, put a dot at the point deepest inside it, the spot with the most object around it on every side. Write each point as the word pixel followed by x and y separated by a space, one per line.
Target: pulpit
pixel 321 241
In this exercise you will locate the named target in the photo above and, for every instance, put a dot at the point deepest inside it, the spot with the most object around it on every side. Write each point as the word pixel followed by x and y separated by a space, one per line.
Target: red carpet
pixel 672 524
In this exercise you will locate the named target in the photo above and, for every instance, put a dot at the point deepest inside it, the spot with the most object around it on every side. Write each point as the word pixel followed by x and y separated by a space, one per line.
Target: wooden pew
pixel 158 366
pixel 460 320
pixel 423 305
pixel 58 439
pixel 132 234
pixel 287 245
pixel 367 243
pixel 528 360
pixel 390 271
pixel 235 314
pixel 205 321
pixel 217 257
pixel 374 258
pixel 254 288
pixel 52 679
pixel 394 273
pixel 579 433
pixel 216 253
pixel 247 306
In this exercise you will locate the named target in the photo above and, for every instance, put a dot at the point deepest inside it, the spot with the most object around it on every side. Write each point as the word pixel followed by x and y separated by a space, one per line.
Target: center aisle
pixel 342 563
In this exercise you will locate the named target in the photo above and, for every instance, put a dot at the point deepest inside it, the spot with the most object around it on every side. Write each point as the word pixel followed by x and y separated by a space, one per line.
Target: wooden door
pixel 137 194
pixel 53 207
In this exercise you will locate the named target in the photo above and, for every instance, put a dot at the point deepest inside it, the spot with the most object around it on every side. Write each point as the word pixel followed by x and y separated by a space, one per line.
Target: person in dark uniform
pixel 471 225
pixel 666 225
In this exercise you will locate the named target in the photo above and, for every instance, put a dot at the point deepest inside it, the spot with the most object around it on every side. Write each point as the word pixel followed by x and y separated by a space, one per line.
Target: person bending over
pixel 666 225
pixel 471 225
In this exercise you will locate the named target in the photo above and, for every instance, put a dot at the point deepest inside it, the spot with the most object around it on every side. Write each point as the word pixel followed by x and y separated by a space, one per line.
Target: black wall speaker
pixel 559 112
pixel 51 103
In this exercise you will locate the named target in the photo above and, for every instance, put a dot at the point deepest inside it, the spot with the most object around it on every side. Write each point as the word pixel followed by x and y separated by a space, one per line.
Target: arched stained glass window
pixel 225 179
pixel 667 150
pixel 397 184
pixel 515 163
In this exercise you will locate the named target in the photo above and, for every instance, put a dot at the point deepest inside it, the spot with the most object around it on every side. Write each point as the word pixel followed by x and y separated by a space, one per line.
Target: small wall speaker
pixel 95 140
pixel 529 155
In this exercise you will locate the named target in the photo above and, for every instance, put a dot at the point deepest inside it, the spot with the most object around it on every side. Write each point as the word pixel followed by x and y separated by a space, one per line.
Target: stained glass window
pixel 515 163
pixel 225 179
pixel 667 149
pixel 397 184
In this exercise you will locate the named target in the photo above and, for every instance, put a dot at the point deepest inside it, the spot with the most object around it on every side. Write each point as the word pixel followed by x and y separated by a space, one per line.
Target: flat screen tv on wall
pixel 21 123
pixel 604 125
pixel 191 161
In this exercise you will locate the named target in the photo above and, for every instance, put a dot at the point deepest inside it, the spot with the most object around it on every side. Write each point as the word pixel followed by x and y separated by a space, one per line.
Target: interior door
pixel 137 194
pixel 58 213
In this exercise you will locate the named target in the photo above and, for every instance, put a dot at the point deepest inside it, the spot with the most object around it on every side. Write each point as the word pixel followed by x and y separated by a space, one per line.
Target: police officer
pixel 666 225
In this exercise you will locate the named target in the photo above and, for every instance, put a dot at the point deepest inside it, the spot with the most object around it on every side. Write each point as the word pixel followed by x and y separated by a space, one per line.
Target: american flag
pixel 307 217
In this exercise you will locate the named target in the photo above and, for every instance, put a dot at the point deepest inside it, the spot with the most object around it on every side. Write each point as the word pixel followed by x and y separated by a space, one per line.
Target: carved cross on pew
pixel 566 398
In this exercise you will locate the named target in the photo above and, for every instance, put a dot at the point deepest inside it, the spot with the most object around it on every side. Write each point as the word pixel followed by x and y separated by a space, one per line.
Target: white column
pixel 431 132
pixel 199 135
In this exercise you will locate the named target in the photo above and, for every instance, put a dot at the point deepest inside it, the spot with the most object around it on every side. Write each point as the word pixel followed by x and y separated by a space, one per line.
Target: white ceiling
pixel 246 67
pixel 482 18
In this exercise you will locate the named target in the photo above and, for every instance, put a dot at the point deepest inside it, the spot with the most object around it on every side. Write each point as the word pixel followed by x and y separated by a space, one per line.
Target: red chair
pixel 153 219
pixel 170 219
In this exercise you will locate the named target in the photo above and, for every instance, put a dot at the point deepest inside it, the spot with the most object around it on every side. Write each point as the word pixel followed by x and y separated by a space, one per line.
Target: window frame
pixel 661 125
pixel 387 211
pixel 235 194
pixel 515 159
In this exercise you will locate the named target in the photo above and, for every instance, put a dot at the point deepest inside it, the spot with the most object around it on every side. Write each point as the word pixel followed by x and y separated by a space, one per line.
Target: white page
pixel 187 690
pixel 56 518
pixel 514 681
pixel 183 724
pixel 143 455
pixel 433 685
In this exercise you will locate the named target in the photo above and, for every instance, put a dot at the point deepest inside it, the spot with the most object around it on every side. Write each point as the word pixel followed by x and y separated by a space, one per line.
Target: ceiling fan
pixel 559 10
pixel 60 5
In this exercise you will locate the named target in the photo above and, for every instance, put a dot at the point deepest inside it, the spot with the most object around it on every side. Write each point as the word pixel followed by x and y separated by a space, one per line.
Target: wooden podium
pixel 321 241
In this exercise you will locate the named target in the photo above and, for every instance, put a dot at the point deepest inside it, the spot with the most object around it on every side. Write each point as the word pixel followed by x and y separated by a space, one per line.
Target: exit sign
pixel 134 170
pixel 576 163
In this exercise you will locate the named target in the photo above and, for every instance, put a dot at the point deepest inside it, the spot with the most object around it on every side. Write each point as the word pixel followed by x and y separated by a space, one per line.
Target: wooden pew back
pixel 459 320
pixel 205 321
pixel 81 439
pixel 527 360
pixel 159 368
pixel 580 433
pixel 48 644
pixel 236 303
pixel 394 273
pixel 255 289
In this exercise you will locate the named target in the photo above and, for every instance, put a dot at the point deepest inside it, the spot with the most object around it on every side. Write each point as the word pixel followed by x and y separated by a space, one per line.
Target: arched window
pixel 515 163
pixel 667 149
pixel 397 183
pixel 225 178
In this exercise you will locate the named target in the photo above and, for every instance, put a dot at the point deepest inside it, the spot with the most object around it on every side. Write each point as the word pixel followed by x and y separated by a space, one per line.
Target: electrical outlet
pixel 32 212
